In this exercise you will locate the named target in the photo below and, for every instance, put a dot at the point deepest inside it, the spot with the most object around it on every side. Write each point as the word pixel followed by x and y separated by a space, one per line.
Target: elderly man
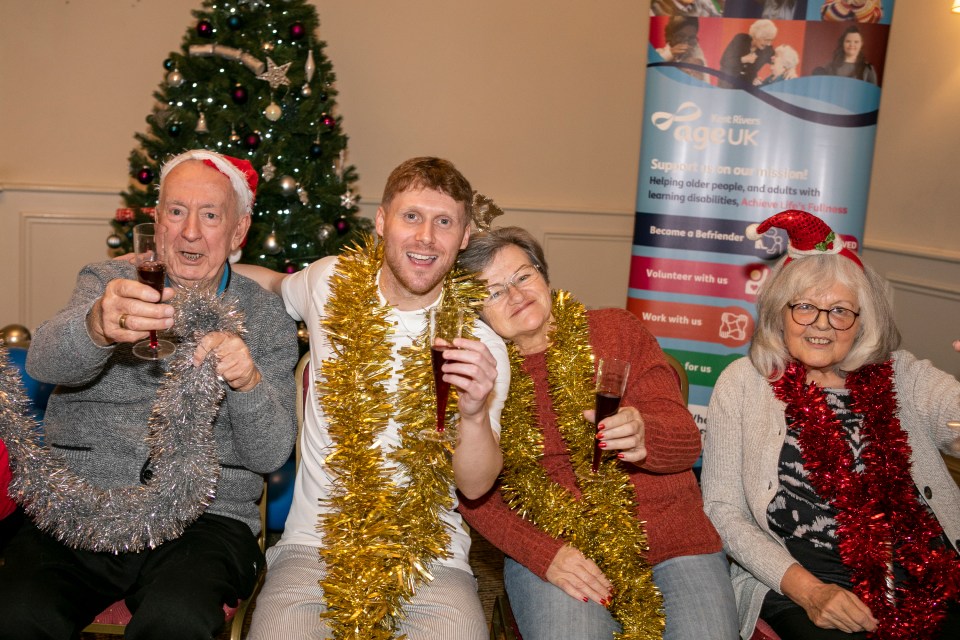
pixel 373 541
pixel 97 420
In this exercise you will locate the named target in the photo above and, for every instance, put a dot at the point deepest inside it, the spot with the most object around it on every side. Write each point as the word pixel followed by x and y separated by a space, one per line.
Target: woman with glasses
pixel 822 468
pixel 592 554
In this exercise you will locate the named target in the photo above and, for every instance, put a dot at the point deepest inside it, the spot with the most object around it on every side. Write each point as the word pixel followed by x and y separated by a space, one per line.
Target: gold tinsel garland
pixel 603 522
pixel 380 537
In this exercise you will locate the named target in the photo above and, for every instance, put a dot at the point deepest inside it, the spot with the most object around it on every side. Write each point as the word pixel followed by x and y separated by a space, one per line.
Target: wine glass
pixel 148 251
pixel 611 385
pixel 444 325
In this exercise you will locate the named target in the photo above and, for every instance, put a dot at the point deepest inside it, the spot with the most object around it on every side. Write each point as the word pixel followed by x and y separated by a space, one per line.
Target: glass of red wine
pixel 443 326
pixel 611 384
pixel 148 252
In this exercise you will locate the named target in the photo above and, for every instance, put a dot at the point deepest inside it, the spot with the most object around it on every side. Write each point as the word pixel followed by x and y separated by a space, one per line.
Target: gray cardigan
pixel 745 432
pixel 97 415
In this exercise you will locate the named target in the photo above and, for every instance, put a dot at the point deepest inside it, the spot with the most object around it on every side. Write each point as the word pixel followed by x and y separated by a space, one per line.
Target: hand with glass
pixel 134 310
pixel 444 326
pixel 148 250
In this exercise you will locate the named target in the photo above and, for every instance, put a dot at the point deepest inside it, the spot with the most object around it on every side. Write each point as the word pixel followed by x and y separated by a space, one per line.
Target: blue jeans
pixel 697 597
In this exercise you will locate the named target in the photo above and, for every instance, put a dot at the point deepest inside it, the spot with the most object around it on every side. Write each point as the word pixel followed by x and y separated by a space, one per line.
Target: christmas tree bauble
pixel 239 94
pixel 342 226
pixel 235 22
pixel 174 129
pixel 273 112
pixel 271 245
pixel 251 140
pixel 145 175
pixel 15 334
pixel 174 78
pixel 114 241
pixel 168 64
pixel 288 185
pixel 204 29
pixel 316 150
pixel 325 232
pixel 297 31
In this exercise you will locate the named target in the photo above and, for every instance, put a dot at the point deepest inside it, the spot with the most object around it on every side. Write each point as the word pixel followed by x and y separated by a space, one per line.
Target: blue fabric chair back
pixel 38 392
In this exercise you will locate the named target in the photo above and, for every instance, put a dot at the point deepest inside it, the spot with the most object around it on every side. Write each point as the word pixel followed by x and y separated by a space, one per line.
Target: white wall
pixel 539 103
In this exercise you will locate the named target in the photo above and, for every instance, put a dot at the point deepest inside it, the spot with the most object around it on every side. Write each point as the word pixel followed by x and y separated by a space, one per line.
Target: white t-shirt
pixel 305 294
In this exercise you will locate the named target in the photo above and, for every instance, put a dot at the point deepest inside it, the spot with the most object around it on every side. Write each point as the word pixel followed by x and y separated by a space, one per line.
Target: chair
pixel 113 620
pixel 282 481
pixel 763 631
pixel 681 375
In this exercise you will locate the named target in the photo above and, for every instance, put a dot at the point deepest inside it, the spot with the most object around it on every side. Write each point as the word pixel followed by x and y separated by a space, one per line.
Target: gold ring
pixel 122 321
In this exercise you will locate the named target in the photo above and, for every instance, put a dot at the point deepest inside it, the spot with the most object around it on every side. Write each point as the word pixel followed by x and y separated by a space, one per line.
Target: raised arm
pixel 266 278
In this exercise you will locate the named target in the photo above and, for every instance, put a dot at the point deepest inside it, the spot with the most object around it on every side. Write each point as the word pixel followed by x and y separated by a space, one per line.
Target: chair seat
pixel 763 632
pixel 118 613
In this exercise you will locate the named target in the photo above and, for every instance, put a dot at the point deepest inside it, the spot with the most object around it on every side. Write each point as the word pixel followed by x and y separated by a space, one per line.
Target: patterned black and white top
pixel 806 522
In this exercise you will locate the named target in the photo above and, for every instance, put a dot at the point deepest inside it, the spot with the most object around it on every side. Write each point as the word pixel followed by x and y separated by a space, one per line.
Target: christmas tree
pixel 251 81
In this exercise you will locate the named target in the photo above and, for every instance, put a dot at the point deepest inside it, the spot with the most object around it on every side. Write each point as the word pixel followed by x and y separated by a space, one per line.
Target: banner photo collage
pixel 752 107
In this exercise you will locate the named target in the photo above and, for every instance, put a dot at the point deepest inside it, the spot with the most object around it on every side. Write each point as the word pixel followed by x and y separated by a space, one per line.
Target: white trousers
pixel 291 601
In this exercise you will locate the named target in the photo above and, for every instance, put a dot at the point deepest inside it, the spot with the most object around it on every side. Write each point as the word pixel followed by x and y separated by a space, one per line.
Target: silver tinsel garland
pixel 183 453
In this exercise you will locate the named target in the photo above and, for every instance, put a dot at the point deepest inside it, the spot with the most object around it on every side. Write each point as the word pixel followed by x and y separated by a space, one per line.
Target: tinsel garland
pixel 183 453
pixel 603 522
pixel 880 520
pixel 381 535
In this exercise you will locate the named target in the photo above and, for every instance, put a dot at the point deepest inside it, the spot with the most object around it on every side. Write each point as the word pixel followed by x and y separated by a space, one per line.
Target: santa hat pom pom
pixel 752 233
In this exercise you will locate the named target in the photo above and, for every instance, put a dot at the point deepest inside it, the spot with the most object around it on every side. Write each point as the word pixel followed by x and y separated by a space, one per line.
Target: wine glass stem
pixel 154 344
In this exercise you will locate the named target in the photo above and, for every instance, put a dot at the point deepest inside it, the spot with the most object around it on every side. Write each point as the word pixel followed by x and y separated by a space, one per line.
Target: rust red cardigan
pixel 668 498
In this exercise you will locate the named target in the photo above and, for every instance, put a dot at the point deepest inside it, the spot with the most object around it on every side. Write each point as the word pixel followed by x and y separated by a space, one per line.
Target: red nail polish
pixel 602 445
pixel 601 427
pixel 620 455
pixel 585 599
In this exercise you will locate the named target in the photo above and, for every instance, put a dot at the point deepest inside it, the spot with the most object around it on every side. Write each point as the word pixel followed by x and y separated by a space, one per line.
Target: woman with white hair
pixel 783 66
pixel 747 54
pixel 821 463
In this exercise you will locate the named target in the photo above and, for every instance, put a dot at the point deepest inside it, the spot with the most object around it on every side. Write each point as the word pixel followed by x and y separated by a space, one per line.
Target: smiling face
pixel 521 314
pixel 820 347
pixel 422 230
pixel 852 43
pixel 202 226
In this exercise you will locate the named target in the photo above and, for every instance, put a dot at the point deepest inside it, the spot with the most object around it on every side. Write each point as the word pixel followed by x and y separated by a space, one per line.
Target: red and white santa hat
pixel 243 177
pixel 808 235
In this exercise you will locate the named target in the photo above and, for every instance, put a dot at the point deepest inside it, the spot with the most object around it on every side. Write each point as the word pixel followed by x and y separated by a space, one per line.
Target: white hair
pixel 763 28
pixel 237 180
pixel 787 56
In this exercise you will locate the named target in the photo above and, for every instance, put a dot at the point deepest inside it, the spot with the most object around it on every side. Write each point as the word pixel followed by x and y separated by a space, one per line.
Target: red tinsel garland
pixel 879 517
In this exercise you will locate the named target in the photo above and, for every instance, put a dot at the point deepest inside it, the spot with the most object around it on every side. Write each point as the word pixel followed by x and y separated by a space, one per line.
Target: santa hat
pixel 808 234
pixel 243 177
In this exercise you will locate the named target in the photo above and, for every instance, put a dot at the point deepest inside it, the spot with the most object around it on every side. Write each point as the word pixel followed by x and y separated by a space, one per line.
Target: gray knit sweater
pixel 745 432
pixel 97 415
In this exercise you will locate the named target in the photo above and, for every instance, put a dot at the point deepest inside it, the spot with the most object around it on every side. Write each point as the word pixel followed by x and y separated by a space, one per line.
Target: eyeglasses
pixel 840 318
pixel 523 278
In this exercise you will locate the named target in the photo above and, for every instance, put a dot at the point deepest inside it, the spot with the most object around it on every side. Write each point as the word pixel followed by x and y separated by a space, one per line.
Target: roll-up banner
pixel 752 107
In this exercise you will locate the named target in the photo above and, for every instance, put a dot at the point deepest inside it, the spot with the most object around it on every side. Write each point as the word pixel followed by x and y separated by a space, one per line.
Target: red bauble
pixel 239 94
pixel 342 226
pixel 145 175
pixel 289 268
pixel 297 31
pixel 204 29
pixel 329 121
pixel 251 140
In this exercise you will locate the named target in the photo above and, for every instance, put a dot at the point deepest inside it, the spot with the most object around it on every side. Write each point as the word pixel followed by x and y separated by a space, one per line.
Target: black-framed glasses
pixel 840 318
pixel 524 277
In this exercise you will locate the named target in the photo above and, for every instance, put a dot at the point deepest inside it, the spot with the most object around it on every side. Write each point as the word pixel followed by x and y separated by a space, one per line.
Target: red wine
pixel 443 388
pixel 607 405
pixel 152 273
